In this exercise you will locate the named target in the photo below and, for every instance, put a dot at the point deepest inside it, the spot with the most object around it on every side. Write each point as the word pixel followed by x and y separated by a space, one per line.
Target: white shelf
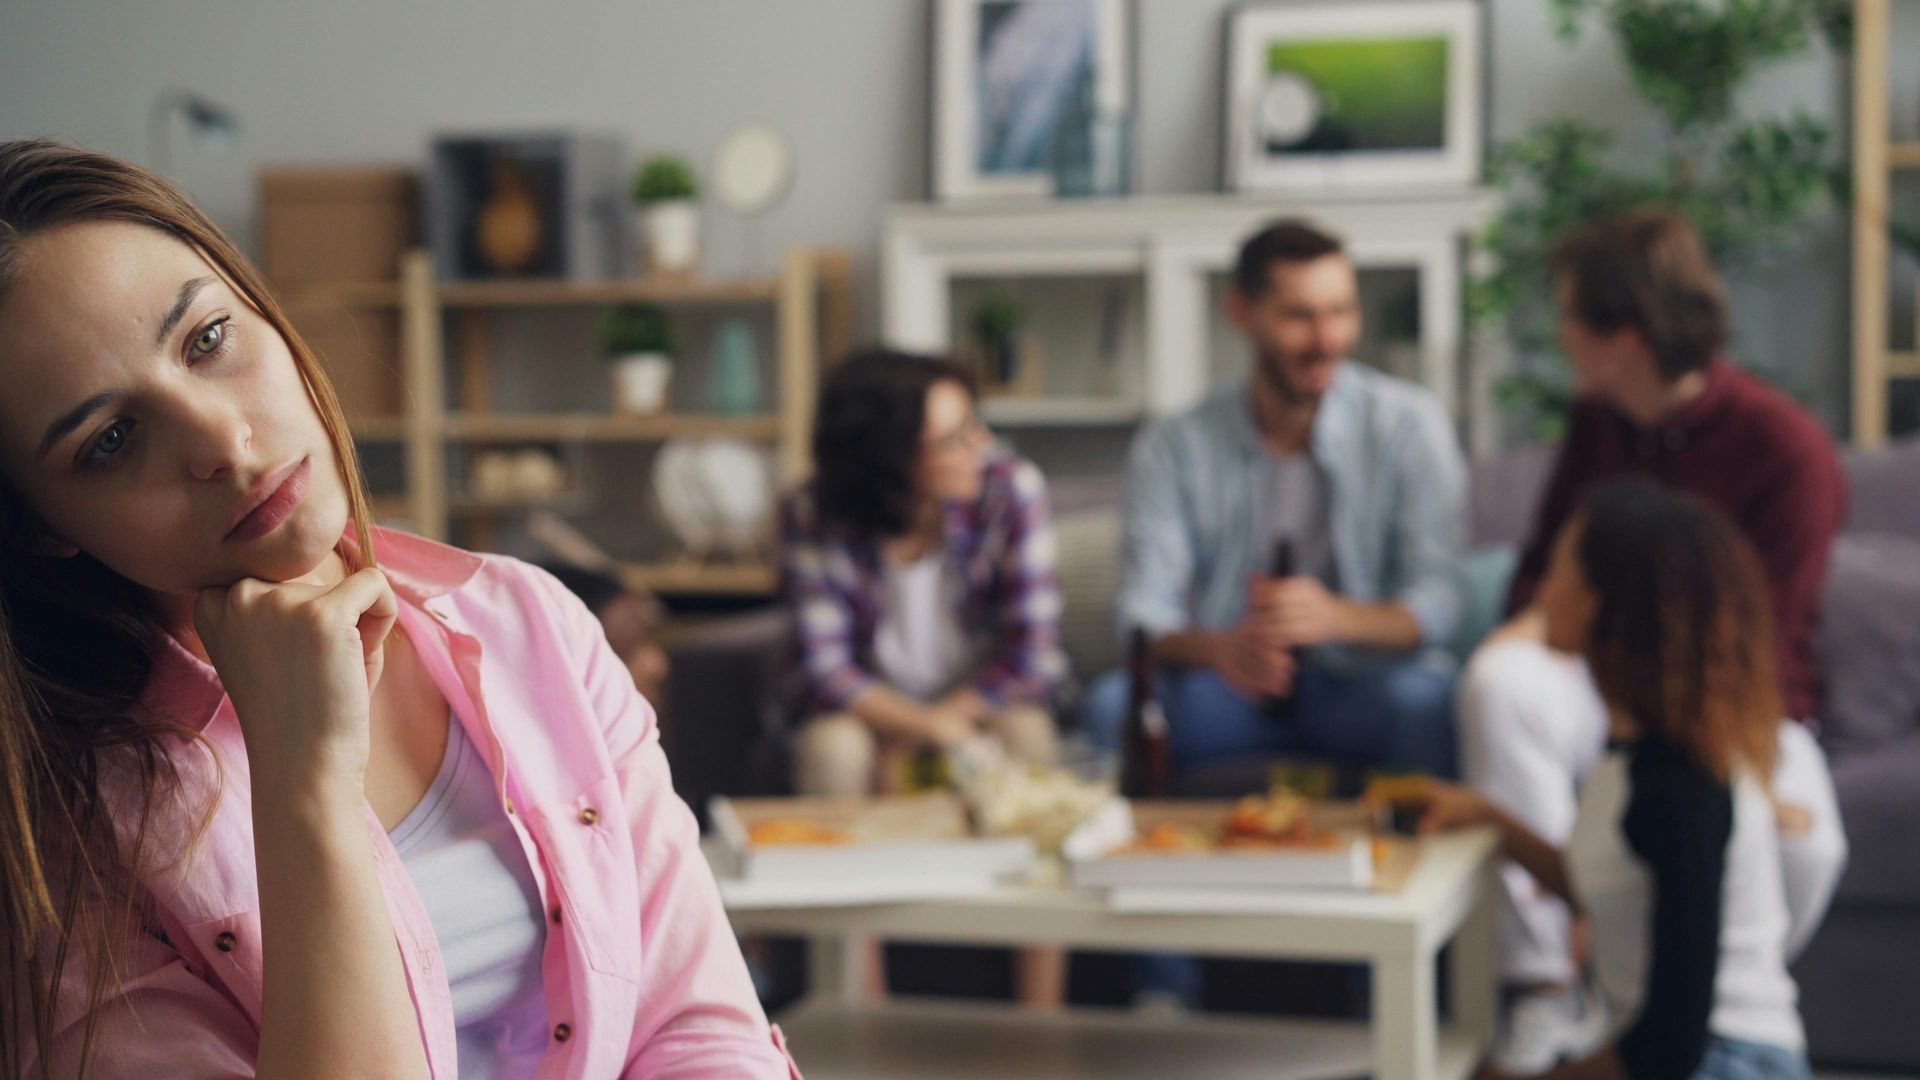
pixel 1060 412
pixel 1174 247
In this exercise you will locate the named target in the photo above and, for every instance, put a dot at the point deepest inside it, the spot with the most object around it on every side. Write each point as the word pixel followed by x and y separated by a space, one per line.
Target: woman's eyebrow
pixel 74 418
pixel 181 302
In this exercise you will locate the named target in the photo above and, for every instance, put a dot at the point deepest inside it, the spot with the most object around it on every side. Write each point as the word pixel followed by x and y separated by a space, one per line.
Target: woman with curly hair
pixel 919 567
pixel 1674 862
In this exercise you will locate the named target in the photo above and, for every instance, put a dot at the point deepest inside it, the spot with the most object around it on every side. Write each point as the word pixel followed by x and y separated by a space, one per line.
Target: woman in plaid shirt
pixel 919 566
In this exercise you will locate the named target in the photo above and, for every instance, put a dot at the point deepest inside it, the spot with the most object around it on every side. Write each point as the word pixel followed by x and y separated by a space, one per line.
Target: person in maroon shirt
pixel 1643 320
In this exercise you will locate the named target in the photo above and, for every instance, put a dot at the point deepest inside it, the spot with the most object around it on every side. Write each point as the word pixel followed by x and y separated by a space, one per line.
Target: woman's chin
pixel 304 549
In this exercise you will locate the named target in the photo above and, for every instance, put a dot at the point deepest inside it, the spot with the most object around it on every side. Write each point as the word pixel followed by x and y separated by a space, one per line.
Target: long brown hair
pixel 77 640
pixel 1682 639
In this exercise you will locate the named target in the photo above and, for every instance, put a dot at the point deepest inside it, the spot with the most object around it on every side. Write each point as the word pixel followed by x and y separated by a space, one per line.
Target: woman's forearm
pixel 335 1000
pixel 890 712
pixel 1539 858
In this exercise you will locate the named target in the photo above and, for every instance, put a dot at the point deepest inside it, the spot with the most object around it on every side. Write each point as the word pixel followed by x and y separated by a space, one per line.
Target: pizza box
pixel 1097 855
pixel 885 845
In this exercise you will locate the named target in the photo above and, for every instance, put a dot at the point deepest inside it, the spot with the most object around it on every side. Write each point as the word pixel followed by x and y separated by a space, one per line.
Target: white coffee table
pixel 1447 897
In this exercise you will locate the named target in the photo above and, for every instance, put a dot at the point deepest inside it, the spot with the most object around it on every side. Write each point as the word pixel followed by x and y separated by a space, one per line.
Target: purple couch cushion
pixel 1504 492
pixel 1881 816
pixel 1869 639
pixel 1886 488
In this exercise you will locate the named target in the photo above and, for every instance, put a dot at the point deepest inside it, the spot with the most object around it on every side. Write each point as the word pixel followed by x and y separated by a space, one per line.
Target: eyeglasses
pixel 965 437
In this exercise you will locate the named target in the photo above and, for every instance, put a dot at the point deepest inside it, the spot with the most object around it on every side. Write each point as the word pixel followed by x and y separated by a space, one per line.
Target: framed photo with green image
pixel 1341 94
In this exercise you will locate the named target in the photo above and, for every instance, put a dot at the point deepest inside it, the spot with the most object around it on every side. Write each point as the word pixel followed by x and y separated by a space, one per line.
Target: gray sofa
pixel 1860 977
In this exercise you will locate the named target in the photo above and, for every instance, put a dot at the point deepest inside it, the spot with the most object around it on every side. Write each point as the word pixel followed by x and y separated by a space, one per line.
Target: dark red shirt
pixel 1747 449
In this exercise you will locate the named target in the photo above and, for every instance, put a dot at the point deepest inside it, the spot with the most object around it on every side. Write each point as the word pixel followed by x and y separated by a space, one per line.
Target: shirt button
pixel 226 942
pixel 562 1032
pixel 556 916
pixel 589 815
pixel 509 804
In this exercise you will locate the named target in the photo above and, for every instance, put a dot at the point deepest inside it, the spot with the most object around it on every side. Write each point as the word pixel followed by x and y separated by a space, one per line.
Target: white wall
pixel 366 80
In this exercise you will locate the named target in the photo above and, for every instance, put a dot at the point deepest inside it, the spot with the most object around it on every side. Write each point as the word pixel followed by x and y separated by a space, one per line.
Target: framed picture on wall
pixel 1017 84
pixel 1322 96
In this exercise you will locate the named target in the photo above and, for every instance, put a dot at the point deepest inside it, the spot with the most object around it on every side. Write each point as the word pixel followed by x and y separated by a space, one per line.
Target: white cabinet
pixel 1170 252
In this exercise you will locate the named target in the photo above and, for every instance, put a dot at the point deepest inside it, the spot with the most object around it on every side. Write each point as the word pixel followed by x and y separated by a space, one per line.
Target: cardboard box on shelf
pixel 331 225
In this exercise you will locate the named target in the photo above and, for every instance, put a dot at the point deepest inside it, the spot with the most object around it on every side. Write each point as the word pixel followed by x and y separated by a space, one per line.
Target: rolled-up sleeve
pixel 697 1015
pixel 1431 532
pixel 1027 664
pixel 1156 552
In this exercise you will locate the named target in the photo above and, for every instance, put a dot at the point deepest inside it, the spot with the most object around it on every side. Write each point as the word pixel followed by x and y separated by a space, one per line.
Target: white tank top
pixel 479 892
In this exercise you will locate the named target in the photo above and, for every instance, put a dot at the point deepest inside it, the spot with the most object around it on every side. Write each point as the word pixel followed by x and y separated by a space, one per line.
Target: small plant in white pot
pixel 638 342
pixel 669 217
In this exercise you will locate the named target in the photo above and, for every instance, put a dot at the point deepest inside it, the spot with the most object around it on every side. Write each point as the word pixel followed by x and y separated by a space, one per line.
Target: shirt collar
pixel 1705 406
pixel 185 690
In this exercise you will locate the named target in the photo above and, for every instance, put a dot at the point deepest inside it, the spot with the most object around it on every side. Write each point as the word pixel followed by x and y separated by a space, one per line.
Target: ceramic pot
pixel 640 382
pixel 670 235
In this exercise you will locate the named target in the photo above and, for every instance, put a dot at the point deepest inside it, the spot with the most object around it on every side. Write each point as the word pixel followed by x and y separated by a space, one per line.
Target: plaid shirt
pixel 1001 545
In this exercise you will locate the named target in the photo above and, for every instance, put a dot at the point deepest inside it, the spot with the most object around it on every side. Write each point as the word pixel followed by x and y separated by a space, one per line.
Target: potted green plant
pixel 665 191
pixel 637 340
pixel 996 323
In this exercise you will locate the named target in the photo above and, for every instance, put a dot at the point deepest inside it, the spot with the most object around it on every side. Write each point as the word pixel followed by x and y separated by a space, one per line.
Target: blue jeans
pixel 1733 1059
pixel 1397 714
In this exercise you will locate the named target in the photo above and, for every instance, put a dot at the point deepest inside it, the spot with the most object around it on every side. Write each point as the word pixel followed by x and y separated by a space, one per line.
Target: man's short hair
pixel 1289 241
pixel 1647 270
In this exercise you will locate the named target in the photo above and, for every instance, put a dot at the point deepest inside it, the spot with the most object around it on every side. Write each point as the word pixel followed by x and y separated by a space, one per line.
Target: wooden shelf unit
pixel 812 309
pixel 584 293
pixel 685 576
pixel 1876 156
pixel 604 427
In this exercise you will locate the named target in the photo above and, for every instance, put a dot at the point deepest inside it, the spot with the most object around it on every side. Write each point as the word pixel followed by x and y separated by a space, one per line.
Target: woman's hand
pixel 945 727
pixel 300 661
pixel 1793 819
pixel 1449 806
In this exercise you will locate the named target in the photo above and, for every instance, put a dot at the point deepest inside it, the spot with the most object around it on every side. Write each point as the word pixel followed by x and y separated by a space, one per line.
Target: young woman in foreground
pixel 1675 854
pixel 288 795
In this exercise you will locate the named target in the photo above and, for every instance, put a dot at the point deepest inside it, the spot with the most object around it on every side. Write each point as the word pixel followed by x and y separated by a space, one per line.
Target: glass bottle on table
pixel 1146 763
pixel 1281 567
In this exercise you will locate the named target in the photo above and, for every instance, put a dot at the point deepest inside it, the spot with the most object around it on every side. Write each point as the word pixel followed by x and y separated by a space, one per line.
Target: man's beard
pixel 1273 373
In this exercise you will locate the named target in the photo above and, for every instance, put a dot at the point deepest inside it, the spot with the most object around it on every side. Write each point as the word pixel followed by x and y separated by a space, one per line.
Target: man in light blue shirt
pixel 1359 472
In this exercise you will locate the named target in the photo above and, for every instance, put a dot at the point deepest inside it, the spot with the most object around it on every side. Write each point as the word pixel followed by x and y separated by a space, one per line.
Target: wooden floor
pixel 945 1041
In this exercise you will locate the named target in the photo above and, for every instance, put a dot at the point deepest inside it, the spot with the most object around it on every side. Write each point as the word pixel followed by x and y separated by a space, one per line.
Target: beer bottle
pixel 1146 764
pixel 1281 568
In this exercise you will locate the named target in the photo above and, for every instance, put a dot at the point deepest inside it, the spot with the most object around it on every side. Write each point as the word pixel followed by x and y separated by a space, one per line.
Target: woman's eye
pixel 110 442
pixel 210 338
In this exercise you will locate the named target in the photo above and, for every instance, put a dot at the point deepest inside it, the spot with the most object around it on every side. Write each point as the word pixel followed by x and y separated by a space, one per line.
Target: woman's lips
pixel 279 505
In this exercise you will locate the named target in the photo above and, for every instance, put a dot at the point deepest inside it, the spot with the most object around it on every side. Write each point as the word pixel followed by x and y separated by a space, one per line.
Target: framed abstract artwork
pixel 1323 96
pixel 1019 83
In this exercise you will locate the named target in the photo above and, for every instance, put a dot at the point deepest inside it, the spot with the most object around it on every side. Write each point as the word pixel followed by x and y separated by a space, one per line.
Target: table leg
pixel 1471 967
pixel 1406 1033
pixel 837 969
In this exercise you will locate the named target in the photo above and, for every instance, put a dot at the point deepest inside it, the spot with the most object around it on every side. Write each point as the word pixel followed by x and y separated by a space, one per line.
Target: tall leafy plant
pixel 1746 184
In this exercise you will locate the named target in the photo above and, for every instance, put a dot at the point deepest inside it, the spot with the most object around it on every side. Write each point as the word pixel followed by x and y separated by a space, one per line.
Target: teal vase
pixel 733 375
